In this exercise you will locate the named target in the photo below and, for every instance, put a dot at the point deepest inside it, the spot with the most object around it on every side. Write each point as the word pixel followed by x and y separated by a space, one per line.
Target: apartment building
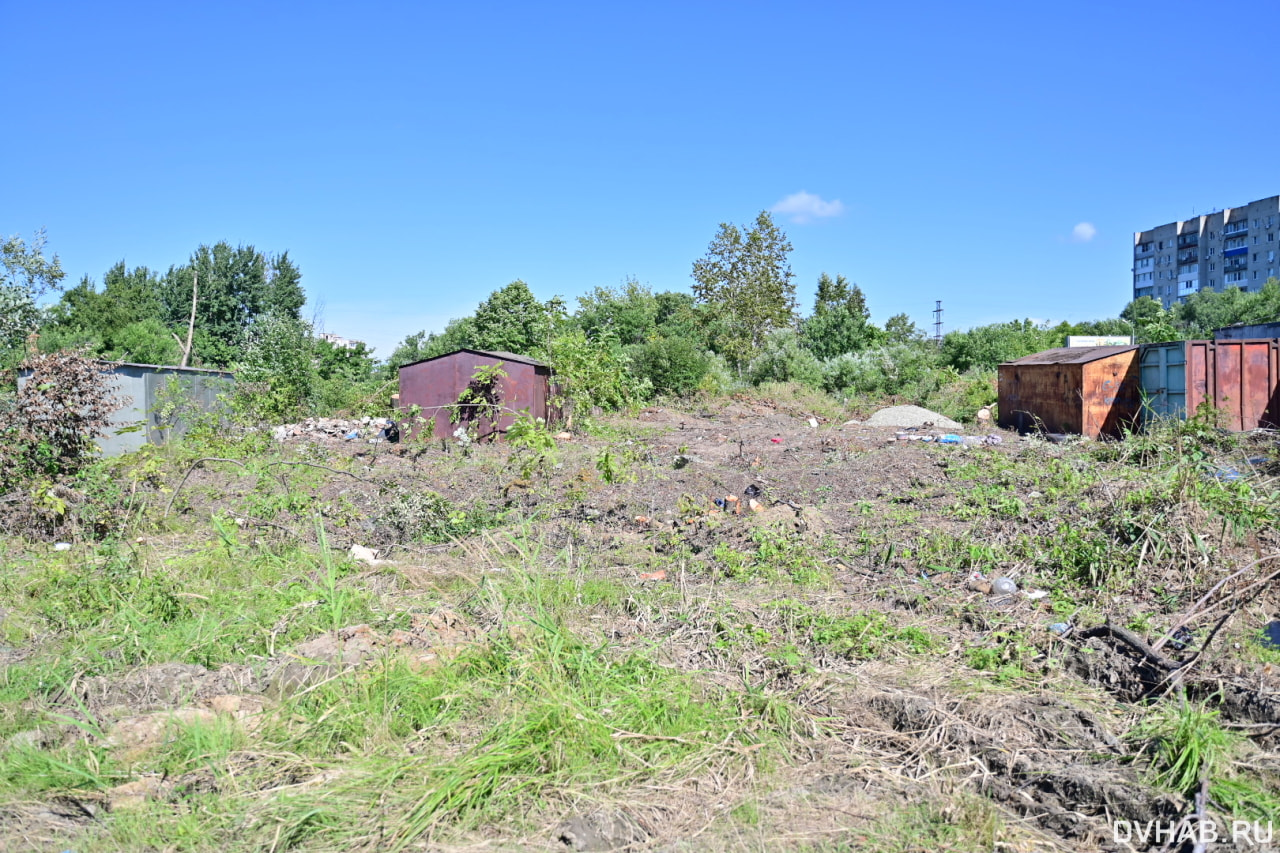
pixel 1236 247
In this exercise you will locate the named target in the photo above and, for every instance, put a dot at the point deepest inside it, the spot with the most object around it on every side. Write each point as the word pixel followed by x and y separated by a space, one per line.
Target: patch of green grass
pixel 863 635
pixel 1007 656
pixel 1186 744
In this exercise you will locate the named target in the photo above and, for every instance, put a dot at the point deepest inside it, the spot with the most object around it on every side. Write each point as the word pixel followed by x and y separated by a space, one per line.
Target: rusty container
pixel 1091 391
pixel 1238 378
pixel 435 384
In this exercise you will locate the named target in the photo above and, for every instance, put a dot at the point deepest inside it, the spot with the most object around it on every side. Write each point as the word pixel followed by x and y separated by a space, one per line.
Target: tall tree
pixel 512 320
pixel 25 276
pixel 745 282
pixel 236 286
pixel 841 322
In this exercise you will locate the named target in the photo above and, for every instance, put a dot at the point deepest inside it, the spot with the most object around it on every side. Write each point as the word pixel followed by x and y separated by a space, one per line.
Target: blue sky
pixel 413 157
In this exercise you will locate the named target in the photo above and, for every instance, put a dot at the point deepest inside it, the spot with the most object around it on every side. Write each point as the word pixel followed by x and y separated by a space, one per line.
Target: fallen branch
pixel 1133 641
pixel 1195 609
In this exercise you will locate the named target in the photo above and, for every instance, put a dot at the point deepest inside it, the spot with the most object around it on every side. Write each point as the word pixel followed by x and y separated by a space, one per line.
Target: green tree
pixel 25 276
pixel 841 322
pixel 745 283
pixel 276 369
pixel 985 347
pixel 512 320
pixel 900 329
pixel 122 321
pixel 235 287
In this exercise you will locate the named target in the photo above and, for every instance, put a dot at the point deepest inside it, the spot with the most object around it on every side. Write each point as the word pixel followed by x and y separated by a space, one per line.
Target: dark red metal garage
pixel 435 384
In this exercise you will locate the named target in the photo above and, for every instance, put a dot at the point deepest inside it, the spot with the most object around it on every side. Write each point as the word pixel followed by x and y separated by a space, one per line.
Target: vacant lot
pixel 704 629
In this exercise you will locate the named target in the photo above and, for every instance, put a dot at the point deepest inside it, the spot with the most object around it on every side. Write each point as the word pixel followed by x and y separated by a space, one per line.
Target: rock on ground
pixel 910 416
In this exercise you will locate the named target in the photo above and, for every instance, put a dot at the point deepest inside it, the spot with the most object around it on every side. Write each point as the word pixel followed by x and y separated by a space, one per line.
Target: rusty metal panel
pixel 1092 393
pixel 1244 382
pixel 1110 399
pixel 434 385
pixel 1239 378
pixel 1040 397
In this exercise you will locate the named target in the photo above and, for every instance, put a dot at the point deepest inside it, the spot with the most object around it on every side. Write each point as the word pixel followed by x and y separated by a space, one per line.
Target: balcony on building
pixel 1233 228
pixel 1238 250
pixel 1236 266
pixel 1185 258
pixel 1185 240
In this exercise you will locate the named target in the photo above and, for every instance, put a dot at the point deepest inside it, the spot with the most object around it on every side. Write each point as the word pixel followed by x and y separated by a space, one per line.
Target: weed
pixel 1007 658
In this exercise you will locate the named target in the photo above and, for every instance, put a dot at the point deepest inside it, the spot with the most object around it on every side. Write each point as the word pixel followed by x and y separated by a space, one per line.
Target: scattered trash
pixel 949 438
pixel 392 432
pixel 984 415
pixel 1060 627
pixel 813 423
pixel 361 554
pixel 1180 639
pixel 564 436
pixel 62 546
pixel 1003 586
pixel 1035 594
pixel 776 440
pixel 720 503
pixel 355 433
pixel 978 582
pixel 659 575
pixel 1225 473
pixel 1271 635
pixel 755 505
pixel 753 491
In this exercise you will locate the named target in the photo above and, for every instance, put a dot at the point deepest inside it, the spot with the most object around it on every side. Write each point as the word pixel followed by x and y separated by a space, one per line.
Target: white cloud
pixel 804 207
pixel 1083 232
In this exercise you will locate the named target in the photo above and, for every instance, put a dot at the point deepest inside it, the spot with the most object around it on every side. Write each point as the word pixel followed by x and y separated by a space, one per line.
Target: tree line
pixel 738 324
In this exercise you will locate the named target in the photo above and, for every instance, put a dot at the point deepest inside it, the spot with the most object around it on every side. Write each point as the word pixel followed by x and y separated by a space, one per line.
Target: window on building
pixel 1255 239
pixel 1271 236
pixel 1212 266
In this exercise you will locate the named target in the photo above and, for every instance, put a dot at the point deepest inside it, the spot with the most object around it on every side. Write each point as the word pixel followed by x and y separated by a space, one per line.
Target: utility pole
pixel 937 323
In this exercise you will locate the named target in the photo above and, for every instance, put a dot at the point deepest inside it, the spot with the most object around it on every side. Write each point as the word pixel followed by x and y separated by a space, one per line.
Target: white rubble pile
pixel 366 428
pixel 911 416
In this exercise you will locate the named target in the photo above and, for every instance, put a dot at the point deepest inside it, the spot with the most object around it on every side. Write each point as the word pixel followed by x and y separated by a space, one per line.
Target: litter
pixel 1003 586
pixel 659 575
pixel 62 546
pixel 978 582
pixel 753 491
pixel 1060 627
pixel 813 423
pixel 1271 635
pixel 776 440
pixel 1180 639
pixel 1035 594
pixel 354 434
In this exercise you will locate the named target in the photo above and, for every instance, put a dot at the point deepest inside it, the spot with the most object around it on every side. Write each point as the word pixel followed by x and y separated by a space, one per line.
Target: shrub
pixel 785 359
pixel 64 404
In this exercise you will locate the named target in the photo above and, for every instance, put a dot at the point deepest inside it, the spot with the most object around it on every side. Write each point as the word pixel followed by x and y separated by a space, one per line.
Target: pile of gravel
pixel 910 416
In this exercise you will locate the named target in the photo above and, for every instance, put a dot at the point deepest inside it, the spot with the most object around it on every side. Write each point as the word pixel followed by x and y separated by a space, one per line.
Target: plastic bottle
pixel 1003 586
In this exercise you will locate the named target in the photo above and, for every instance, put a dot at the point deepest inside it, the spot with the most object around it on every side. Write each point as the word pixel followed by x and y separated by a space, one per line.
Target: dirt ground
pixel 746 534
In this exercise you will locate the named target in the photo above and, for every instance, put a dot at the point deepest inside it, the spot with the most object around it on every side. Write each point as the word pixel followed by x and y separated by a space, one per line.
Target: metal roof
pixel 165 367
pixel 1071 355
pixel 501 356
